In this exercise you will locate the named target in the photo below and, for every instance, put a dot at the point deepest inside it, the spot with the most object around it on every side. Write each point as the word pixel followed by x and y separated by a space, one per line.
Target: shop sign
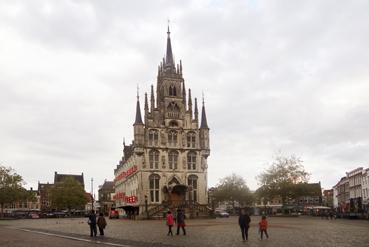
pixel 125 174
pixel 121 196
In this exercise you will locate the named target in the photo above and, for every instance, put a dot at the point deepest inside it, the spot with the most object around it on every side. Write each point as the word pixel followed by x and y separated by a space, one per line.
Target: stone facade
pixel 166 164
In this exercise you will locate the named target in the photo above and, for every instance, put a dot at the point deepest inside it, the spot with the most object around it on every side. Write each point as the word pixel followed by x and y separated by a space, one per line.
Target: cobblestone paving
pixel 302 231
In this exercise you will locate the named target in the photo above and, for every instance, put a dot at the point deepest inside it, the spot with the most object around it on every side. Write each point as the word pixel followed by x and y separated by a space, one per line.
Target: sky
pixel 278 76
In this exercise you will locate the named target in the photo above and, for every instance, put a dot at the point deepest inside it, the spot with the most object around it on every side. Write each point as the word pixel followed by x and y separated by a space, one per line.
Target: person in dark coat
pixel 101 223
pixel 180 221
pixel 244 222
pixel 92 223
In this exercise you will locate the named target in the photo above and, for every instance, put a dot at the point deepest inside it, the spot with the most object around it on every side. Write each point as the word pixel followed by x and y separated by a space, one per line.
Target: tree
pixel 11 189
pixel 286 178
pixel 233 189
pixel 68 194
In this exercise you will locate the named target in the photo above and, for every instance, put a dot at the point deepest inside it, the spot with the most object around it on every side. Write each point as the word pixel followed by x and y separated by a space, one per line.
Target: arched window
pixel 191 161
pixel 172 138
pixel 192 182
pixel 173 160
pixel 153 137
pixel 191 140
pixel 173 110
pixel 154 187
pixel 154 159
pixel 172 90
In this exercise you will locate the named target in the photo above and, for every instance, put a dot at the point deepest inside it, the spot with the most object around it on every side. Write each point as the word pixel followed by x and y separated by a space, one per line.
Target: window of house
pixel 173 160
pixel 192 181
pixel 172 138
pixel 153 137
pixel 191 139
pixel 154 187
pixel 191 161
pixel 154 159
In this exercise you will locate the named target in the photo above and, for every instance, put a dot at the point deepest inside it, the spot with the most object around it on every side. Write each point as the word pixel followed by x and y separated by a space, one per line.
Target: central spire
pixel 169 61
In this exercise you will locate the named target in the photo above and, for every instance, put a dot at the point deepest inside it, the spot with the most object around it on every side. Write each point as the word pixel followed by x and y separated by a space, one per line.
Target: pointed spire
pixel 152 99
pixel 180 67
pixel 146 103
pixel 189 100
pixel 169 61
pixel 204 122
pixel 138 119
pixel 124 141
pixel 196 111
pixel 184 95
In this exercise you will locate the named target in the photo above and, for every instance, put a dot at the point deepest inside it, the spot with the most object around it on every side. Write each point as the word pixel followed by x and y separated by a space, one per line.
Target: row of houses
pixel 351 193
pixel 42 201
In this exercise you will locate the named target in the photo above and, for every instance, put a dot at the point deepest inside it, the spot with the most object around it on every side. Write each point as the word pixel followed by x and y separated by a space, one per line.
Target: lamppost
pixel 147 212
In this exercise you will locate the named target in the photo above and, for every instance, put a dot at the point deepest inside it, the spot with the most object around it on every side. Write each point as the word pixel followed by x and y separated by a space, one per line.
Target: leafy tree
pixel 11 189
pixel 68 194
pixel 286 178
pixel 233 189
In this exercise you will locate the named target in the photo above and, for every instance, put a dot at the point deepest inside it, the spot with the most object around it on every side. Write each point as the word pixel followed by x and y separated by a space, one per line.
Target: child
pixel 263 226
pixel 170 222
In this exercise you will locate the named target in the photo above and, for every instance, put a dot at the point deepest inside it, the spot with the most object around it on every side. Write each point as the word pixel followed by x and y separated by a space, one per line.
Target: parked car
pixel 34 215
pixel 221 214
pixel 114 214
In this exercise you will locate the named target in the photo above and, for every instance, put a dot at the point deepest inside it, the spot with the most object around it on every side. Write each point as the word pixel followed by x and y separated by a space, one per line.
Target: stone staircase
pixel 192 209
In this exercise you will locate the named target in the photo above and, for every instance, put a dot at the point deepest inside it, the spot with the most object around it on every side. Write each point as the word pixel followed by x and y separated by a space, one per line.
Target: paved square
pixel 302 231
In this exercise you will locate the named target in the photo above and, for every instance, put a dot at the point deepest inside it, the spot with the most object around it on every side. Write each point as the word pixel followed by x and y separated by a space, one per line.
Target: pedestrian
pixel 170 222
pixel 244 222
pixel 92 223
pixel 263 226
pixel 181 221
pixel 101 223
pixel 175 216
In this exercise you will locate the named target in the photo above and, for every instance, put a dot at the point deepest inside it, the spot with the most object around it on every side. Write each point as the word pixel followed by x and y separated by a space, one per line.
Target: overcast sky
pixel 277 75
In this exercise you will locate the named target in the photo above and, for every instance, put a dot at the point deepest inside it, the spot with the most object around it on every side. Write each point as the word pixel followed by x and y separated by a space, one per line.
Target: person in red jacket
pixel 263 226
pixel 170 222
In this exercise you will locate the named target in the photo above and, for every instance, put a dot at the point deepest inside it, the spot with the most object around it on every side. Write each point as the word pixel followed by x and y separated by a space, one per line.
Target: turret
pixel 204 131
pixel 138 126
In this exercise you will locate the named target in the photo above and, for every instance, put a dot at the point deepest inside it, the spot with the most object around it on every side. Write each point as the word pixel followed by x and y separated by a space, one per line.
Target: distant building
pixel 105 196
pixel 356 198
pixel 351 193
pixel 342 193
pixel 328 198
pixel 60 177
pixel 24 205
pixel 44 188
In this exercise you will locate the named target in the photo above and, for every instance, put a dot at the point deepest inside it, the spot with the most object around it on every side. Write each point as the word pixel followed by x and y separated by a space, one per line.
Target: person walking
pixel 263 226
pixel 244 222
pixel 92 223
pixel 101 223
pixel 170 222
pixel 181 222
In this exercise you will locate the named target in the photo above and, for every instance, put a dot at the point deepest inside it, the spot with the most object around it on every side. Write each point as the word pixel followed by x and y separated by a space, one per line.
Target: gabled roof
pixel 60 177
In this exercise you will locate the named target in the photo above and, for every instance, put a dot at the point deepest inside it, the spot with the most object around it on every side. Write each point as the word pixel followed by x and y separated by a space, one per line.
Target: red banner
pixel 125 174
pixel 121 196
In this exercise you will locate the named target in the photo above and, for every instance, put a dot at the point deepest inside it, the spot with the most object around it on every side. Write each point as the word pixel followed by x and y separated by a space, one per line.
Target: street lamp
pixel 147 212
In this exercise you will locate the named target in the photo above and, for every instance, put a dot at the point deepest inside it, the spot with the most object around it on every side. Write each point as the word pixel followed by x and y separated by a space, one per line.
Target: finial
pixel 168 28
pixel 124 141
pixel 203 98
pixel 138 91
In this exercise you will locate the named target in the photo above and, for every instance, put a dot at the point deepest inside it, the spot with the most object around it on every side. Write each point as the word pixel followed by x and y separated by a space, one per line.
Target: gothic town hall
pixel 165 167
